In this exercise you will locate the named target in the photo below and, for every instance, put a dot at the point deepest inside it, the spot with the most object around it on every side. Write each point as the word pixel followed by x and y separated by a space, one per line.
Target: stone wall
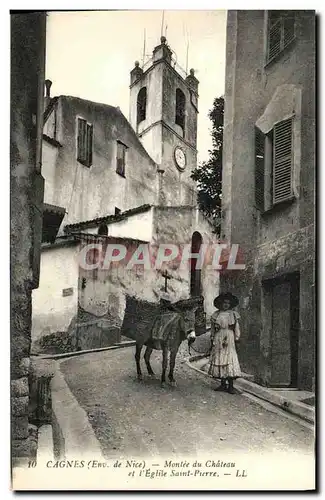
pixel 102 293
pixel 281 258
pixel 176 225
pixel 279 242
pixel 94 312
pixel 57 313
pixel 27 84
pixel 102 297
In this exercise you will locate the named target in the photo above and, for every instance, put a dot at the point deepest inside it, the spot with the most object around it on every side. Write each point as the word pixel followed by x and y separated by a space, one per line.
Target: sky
pixel 90 54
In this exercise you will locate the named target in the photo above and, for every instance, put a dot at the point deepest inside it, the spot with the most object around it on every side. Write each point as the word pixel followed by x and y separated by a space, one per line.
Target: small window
pixel 281 31
pixel 120 158
pixel 141 105
pixel 274 165
pixel 85 143
pixel 103 230
pixel 180 108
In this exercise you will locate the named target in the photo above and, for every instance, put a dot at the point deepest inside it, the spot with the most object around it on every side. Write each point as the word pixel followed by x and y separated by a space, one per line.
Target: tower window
pixel 103 230
pixel 141 104
pixel 180 108
pixel 85 143
pixel 120 158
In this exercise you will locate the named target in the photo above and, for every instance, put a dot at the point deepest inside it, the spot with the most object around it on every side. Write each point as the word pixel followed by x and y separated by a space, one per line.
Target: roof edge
pixel 108 219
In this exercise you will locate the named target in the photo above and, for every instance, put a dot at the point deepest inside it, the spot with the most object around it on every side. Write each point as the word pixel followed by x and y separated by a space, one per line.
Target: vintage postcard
pixel 162 183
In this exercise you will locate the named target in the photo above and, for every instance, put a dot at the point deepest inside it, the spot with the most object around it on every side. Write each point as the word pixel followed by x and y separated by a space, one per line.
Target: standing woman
pixel 225 331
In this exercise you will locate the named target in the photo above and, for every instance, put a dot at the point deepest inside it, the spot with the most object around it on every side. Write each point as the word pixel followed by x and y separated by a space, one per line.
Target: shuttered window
pixel 282 161
pixel 120 158
pixel 281 31
pixel 259 169
pixel 85 143
pixel 274 165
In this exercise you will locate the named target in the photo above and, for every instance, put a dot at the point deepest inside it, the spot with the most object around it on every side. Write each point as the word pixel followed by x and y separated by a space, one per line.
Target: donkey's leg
pixel 138 349
pixel 147 355
pixel 164 364
pixel 173 354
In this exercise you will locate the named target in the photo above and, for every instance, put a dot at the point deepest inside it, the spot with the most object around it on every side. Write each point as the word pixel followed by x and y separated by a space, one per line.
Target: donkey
pixel 167 334
pixel 162 327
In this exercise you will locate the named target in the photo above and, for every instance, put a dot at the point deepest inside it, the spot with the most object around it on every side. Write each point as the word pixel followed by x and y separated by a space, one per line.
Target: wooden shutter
pixel 81 139
pixel 274 40
pixel 259 169
pixel 288 29
pixel 89 158
pixel 282 161
pixel 281 31
pixel 120 160
pixel 85 143
pixel 119 168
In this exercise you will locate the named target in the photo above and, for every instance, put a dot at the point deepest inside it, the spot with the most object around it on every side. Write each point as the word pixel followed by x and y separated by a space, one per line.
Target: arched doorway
pixel 180 109
pixel 141 105
pixel 196 286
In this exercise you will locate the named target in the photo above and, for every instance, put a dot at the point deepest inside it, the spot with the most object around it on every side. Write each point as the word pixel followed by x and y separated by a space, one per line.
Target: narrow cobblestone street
pixel 132 418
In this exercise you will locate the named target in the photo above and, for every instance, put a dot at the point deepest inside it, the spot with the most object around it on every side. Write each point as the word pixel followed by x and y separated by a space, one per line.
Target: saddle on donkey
pixel 165 329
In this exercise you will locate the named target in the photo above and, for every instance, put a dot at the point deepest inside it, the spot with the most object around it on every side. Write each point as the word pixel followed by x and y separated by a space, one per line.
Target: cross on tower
pixel 167 277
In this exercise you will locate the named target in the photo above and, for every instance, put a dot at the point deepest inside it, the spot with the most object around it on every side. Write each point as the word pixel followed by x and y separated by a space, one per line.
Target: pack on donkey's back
pixel 160 327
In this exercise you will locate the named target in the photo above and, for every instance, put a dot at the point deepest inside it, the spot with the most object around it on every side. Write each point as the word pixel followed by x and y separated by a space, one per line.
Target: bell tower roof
pixel 162 92
pixel 163 113
pixel 163 53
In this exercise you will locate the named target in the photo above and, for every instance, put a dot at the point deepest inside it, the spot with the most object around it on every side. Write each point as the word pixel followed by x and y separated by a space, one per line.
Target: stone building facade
pixel 108 179
pixel 28 32
pixel 269 190
pixel 89 191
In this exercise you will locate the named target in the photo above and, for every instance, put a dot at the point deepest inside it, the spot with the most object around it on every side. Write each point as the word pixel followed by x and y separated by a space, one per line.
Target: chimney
pixel 47 97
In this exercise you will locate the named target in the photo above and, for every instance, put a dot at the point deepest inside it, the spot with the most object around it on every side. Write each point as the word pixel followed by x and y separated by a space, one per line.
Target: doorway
pixel 284 332
pixel 195 286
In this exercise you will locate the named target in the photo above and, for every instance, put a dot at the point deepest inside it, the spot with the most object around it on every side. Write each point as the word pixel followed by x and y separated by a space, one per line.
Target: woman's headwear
pixel 226 296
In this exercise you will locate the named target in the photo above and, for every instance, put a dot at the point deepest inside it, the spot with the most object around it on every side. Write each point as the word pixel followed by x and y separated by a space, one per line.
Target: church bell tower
pixel 163 112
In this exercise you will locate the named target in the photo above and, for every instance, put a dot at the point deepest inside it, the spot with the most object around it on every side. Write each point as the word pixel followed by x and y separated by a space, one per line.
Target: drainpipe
pixel 40 94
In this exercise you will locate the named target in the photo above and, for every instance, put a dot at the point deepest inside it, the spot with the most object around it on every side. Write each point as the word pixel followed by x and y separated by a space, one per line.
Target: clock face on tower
pixel 180 158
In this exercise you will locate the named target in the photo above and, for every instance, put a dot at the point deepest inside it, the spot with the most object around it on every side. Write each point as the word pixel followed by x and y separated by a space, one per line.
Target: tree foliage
pixel 208 175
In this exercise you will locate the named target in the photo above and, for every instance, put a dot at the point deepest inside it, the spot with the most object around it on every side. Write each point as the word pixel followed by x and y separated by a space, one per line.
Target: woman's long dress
pixel 223 358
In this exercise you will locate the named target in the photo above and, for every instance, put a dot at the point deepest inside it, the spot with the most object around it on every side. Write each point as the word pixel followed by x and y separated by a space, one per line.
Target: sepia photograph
pixel 163 250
